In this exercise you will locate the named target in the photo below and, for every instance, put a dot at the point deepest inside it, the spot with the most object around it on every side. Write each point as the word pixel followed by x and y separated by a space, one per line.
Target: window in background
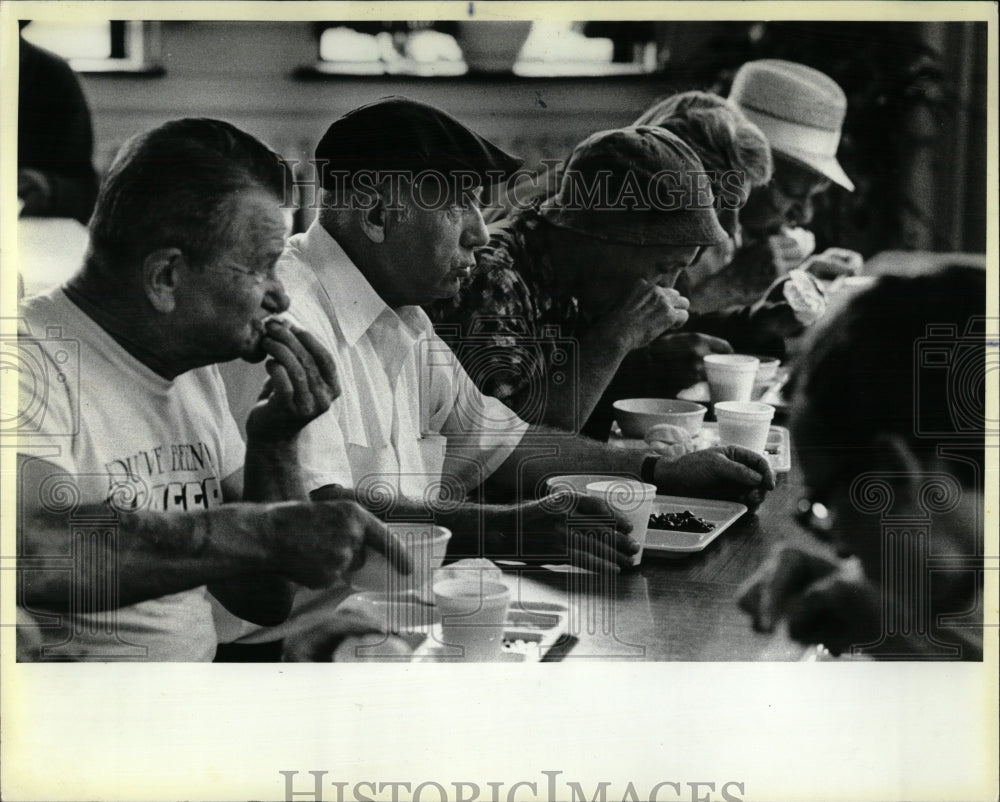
pixel 531 49
pixel 110 46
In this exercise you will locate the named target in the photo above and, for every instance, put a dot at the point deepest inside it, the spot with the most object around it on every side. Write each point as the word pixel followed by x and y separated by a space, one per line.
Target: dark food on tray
pixel 685 521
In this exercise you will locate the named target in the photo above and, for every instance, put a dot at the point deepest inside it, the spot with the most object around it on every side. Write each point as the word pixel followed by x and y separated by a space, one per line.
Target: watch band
pixel 649 468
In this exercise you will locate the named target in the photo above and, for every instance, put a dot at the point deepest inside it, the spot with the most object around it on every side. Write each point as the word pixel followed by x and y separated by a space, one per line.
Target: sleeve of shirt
pixel 48 418
pixel 322 447
pixel 323 456
pixel 481 430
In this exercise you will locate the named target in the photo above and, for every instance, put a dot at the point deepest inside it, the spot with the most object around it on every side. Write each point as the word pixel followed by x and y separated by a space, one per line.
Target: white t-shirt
pixel 408 417
pixel 124 435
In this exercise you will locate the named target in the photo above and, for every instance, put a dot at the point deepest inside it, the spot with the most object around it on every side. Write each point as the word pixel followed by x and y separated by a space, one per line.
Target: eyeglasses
pixel 802 196
pixel 256 278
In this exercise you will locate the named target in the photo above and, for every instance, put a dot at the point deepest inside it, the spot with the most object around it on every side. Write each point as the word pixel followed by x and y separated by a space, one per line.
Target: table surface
pixel 675 608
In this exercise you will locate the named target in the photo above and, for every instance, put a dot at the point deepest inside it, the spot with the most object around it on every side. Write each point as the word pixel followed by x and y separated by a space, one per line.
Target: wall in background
pixel 244 73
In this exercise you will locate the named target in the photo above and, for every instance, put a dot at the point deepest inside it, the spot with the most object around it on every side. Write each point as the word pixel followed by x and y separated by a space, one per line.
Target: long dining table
pixel 667 608
pixel 673 608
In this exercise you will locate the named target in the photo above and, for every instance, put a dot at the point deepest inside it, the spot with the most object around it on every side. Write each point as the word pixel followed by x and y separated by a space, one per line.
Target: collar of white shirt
pixel 358 305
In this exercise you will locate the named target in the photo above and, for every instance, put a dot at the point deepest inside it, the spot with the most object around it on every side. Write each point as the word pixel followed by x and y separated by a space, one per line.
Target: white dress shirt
pixel 409 419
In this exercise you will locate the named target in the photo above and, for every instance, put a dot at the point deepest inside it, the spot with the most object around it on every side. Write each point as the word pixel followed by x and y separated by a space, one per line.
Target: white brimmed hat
pixel 799 109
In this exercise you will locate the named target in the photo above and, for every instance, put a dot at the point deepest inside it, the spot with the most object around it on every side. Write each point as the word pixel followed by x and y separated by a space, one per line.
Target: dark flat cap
pixel 396 133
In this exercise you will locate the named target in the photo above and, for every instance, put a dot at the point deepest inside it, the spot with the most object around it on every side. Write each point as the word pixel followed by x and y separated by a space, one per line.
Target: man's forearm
pixel 271 472
pixel 569 404
pixel 545 452
pixel 145 555
pixel 477 530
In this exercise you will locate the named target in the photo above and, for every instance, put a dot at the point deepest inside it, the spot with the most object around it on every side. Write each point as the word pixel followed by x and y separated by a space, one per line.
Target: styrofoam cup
pixel 632 499
pixel 577 482
pixel 473 617
pixel 425 545
pixel 744 423
pixel 730 376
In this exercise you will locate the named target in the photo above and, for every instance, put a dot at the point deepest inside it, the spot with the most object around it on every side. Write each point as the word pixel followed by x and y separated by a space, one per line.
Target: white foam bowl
pixel 636 416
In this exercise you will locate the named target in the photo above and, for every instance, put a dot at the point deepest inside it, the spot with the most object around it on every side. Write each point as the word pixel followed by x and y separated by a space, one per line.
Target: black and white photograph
pixel 527 401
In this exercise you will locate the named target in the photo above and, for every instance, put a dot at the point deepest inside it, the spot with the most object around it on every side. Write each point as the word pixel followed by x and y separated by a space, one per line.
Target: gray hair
pixel 175 186
pixel 724 139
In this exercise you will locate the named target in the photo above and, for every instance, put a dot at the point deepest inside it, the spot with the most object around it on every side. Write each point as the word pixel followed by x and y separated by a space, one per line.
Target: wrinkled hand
pixel 834 263
pixel 682 355
pixel 669 440
pixel 644 314
pixel 790 305
pixel 722 472
pixel 317 543
pixel 35 190
pixel 301 386
pixel 545 533
pixel 349 635
pixel 823 598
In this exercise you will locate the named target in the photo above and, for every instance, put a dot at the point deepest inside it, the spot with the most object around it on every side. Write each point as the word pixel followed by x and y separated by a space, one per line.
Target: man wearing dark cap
pixel 412 435
pixel 594 272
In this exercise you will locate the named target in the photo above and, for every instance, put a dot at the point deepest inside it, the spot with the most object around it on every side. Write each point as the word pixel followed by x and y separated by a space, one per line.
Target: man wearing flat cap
pixel 591 263
pixel 801 112
pixel 412 435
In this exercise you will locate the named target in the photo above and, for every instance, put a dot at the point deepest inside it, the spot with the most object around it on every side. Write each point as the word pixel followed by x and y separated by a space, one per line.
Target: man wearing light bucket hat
pixel 593 264
pixel 801 112
pixel 799 109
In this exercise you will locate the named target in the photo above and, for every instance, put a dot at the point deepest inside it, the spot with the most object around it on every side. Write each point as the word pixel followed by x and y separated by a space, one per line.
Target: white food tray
pixel 778 448
pixel 677 543
pixel 533 628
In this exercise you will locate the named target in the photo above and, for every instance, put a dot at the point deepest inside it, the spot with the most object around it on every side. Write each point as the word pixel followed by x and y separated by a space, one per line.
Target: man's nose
pixel 667 277
pixel 475 233
pixel 276 300
pixel 801 214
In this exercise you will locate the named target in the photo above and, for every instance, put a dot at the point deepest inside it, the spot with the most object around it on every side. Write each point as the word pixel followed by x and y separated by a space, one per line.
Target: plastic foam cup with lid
pixel 744 423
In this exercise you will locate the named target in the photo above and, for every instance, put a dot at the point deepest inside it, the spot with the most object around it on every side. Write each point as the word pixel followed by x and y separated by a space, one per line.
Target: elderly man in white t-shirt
pixel 127 452
pixel 411 434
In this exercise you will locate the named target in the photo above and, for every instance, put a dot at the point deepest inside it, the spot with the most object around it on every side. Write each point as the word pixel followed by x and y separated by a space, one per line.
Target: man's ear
pixel 897 457
pixel 374 218
pixel 160 277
